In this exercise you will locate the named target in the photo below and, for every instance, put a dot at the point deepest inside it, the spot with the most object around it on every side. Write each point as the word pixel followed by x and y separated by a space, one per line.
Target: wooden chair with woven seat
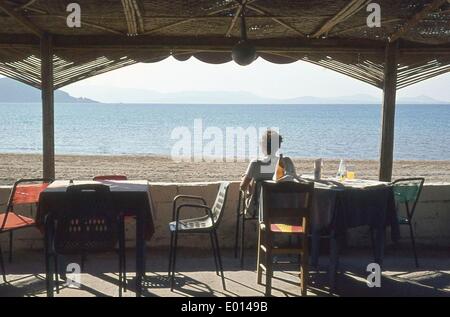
pixel 286 208
pixel 25 192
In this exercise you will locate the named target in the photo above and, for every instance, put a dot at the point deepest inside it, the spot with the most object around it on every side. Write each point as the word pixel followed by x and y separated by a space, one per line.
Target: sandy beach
pixel 163 169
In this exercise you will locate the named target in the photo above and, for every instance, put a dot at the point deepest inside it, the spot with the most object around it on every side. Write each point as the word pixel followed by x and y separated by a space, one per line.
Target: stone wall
pixel 432 219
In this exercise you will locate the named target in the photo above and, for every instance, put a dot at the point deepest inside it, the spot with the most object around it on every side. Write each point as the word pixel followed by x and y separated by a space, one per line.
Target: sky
pixel 261 78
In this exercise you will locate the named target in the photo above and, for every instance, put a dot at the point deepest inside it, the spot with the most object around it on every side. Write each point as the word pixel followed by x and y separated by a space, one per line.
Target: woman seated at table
pixel 263 169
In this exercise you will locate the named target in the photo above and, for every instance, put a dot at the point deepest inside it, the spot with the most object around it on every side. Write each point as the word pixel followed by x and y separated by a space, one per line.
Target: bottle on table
pixel 342 171
pixel 280 169
pixel 318 164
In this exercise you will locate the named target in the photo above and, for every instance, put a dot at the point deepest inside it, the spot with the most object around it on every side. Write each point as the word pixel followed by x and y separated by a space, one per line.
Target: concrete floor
pixel 198 278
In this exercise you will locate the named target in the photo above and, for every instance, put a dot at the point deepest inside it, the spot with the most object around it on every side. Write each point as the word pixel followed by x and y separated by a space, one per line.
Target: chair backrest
pixel 407 191
pixel 27 192
pixel 110 178
pixel 251 199
pixel 89 223
pixel 289 202
pixel 219 204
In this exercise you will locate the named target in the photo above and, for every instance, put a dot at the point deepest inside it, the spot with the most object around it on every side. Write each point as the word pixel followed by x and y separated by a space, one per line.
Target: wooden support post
pixel 388 112
pixel 48 131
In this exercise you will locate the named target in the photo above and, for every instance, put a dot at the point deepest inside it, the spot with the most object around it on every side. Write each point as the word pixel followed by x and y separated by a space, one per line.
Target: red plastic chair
pixel 110 178
pixel 24 192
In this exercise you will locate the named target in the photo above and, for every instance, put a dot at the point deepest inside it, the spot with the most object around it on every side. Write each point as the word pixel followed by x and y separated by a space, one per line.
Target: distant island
pixel 15 91
pixel 111 94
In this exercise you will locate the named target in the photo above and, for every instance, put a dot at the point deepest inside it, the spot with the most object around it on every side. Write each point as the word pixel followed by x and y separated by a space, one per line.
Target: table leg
pixel 140 254
pixel 48 270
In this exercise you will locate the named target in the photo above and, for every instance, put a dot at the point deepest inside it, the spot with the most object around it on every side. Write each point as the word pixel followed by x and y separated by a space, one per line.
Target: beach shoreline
pixel 156 168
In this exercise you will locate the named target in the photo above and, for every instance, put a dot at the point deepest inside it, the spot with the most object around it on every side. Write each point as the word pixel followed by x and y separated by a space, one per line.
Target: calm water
pixel 331 131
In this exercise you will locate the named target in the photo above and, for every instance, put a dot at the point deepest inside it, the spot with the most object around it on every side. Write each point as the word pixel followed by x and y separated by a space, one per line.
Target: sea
pixel 422 132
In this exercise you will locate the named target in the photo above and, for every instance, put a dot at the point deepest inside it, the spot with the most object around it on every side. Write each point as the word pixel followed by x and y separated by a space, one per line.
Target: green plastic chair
pixel 206 224
pixel 407 193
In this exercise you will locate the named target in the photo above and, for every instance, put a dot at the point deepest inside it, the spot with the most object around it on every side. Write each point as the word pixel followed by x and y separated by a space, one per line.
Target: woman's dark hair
pixel 267 139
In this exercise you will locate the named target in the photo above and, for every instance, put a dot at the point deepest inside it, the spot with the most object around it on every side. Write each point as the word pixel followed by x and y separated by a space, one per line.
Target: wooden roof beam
pixel 416 18
pixel 349 10
pixel 112 42
pixel 21 19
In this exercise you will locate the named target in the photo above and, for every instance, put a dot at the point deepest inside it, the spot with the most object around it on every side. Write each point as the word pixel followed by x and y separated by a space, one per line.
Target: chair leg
pixel 219 259
pixel 242 255
pixel 258 260
pixel 304 266
pixel 269 270
pixel 47 255
pixel 2 265
pixel 10 246
pixel 169 270
pixel 120 258
pixel 214 252
pixel 236 238
pixel 124 267
pixel 124 258
pixel 56 273
pixel 48 275
pixel 174 259
pixel 120 271
pixel 413 242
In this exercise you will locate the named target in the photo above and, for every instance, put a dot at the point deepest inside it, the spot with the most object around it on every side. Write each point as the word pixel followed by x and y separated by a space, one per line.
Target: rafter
pixel 241 5
pixel 361 26
pixel 26 5
pixel 350 9
pixel 277 20
pixel 20 19
pixel 133 17
pixel 191 19
pixel 416 18
pixel 235 18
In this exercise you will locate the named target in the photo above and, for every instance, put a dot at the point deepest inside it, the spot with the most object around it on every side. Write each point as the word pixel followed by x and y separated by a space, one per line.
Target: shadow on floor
pixel 197 277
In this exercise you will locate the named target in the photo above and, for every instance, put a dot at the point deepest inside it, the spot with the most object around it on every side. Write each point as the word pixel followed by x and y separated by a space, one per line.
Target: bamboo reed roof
pixel 330 33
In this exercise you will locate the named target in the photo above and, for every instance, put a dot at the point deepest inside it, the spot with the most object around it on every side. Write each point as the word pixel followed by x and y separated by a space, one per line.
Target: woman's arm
pixel 248 176
pixel 245 182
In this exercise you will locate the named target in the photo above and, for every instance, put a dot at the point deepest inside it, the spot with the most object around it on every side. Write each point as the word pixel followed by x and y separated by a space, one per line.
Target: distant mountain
pixel 132 95
pixel 362 99
pixel 420 100
pixel 354 99
pixel 14 91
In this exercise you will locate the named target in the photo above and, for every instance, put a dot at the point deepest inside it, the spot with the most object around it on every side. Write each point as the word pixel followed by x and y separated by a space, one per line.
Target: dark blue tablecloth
pixel 374 207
